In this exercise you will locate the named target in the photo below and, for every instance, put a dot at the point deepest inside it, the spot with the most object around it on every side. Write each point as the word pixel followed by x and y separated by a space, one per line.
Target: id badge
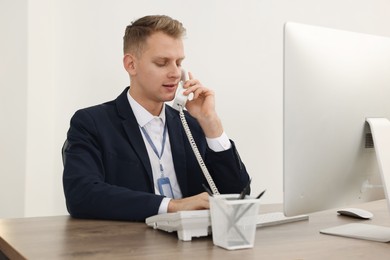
pixel 164 186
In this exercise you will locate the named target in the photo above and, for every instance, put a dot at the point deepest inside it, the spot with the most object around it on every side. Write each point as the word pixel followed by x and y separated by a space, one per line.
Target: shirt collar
pixel 141 114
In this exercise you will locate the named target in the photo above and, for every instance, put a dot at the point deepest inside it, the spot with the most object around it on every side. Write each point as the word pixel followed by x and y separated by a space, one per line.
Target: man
pixel 119 154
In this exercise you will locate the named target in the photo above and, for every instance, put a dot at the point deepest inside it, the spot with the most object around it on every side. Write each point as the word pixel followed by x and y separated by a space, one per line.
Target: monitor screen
pixel 333 81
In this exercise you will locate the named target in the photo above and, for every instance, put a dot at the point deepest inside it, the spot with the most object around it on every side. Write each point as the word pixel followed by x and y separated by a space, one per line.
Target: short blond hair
pixel 139 30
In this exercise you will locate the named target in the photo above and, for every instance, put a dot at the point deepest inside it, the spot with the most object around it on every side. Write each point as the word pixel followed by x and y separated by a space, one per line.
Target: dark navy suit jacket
pixel 107 172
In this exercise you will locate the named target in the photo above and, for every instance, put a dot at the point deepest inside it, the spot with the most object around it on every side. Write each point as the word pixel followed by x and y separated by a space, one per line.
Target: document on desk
pixel 360 231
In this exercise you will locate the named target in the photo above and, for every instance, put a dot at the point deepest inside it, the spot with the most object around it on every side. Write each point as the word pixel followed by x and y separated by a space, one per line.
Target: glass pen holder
pixel 233 221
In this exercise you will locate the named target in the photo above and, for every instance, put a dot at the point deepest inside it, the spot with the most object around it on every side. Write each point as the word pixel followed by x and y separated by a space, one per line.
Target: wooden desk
pixel 62 237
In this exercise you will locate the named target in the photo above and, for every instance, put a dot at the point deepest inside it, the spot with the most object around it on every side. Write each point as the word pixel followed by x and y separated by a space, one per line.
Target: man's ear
pixel 129 63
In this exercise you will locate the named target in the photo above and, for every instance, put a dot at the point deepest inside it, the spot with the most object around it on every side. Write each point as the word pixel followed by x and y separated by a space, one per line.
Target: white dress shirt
pixel 154 126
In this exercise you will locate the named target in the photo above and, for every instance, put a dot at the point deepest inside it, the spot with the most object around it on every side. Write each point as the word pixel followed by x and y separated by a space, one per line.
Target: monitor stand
pixel 380 130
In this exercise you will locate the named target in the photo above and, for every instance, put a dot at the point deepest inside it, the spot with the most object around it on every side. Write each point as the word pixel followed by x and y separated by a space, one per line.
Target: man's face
pixel 157 69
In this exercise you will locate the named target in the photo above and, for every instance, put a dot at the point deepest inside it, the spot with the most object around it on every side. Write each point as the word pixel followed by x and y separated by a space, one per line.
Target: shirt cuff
pixel 164 206
pixel 219 144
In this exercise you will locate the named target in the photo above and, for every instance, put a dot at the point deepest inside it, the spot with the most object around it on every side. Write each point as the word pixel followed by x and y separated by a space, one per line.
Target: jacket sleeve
pixel 87 192
pixel 227 170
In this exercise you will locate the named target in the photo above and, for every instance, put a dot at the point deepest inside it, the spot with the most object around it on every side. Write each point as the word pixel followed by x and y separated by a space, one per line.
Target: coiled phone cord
pixel 194 147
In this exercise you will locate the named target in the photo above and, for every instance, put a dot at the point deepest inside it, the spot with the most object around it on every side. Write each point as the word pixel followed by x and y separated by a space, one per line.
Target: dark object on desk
pixel 3 256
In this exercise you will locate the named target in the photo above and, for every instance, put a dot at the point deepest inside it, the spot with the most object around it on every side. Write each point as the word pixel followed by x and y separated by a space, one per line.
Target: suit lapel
pixel 177 138
pixel 133 132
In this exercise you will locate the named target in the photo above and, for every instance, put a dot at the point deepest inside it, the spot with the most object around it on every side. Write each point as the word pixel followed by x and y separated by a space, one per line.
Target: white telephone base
pixel 197 223
pixel 188 224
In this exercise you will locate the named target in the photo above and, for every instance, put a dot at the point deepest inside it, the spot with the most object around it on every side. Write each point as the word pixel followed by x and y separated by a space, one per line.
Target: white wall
pixel 13 82
pixel 235 47
pixel 43 166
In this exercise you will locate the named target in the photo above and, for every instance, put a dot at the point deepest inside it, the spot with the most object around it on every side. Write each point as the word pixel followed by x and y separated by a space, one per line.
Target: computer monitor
pixel 333 81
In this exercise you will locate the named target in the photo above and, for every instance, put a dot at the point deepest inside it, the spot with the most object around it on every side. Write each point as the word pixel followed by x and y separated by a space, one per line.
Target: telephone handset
pixel 179 104
pixel 180 99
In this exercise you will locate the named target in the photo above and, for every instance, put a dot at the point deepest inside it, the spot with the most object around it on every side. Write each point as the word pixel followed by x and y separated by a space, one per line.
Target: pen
pixel 244 191
pixel 261 194
pixel 250 205
pixel 207 190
